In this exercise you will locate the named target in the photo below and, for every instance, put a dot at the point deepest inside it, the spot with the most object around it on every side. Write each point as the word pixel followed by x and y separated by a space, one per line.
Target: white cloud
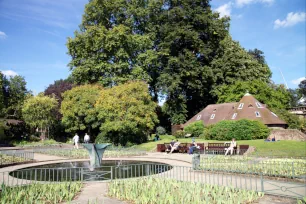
pixel 9 73
pixel 241 3
pixel 297 81
pixel 2 35
pixel 225 10
pixel 291 19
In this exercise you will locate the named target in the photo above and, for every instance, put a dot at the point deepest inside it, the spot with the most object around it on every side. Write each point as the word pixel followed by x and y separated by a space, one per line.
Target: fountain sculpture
pixel 95 153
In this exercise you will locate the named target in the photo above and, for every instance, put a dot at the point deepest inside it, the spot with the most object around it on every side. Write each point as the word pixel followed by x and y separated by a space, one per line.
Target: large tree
pixel 78 109
pixel 38 112
pixel 15 92
pixel 126 113
pixel 173 45
pixel 235 64
pixel 57 89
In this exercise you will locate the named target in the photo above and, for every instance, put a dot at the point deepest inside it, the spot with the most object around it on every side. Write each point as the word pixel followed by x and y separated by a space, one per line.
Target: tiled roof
pixel 251 109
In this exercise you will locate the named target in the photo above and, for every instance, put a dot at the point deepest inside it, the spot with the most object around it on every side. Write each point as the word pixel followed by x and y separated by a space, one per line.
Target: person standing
pixel 76 141
pixel 231 147
pixel 86 138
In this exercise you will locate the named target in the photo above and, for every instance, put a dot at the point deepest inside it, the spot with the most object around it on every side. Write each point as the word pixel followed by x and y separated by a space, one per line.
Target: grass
pixel 285 148
pixel 156 190
pixel 39 193
pixel 25 143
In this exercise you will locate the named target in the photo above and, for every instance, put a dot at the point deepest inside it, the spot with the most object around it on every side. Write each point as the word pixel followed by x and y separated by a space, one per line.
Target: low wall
pixel 287 134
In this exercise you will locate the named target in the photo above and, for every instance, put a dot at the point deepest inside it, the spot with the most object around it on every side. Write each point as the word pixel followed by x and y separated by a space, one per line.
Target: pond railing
pixel 9 157
pixel 259 183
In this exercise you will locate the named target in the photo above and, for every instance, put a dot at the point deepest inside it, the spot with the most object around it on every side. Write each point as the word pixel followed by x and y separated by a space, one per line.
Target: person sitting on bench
pixel 170 146
pixel 193 147
pixel 175 146
pixel 231 147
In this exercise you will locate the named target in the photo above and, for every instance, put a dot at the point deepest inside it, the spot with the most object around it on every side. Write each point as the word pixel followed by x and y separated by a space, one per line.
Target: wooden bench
pixel 220 148
pixel 183 147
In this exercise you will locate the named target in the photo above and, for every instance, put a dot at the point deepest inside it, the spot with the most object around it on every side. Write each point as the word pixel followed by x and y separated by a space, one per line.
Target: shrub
pixel 292 120
pixel 160 130
pixel 240 130
pixel 179 134
pixel 101 138
pixel 206 135
pixel 195 128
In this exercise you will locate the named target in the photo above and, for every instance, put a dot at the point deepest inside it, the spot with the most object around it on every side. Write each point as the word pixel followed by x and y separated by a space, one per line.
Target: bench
pixel 220 148
pixel 183 148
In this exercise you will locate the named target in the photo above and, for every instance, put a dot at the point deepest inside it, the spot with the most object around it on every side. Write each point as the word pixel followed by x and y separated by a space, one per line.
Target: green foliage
pixel 302 87
pixel 78 108
pixel 168 44
pixel 206 132
pixel 15 92
pixel 195 128
pixel 295 95
pixel 38 111
pixel 293 121
pixel 281 167
pixel 126 113
pixel 160 130
pixel 30 143
pixel 40 193
pixel 237 64
pixel 163 190
pixel 15 131
pixel 179 134
pixel 272 95
pixel 240 130
pixel 2 131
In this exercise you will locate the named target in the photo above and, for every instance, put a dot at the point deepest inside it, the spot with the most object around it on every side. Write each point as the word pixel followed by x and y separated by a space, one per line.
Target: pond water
pixel 80 171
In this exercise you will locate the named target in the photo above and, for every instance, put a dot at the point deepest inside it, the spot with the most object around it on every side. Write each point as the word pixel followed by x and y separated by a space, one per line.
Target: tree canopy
pixel 57 89
pixel 12 96
pixel 78 109
pixel 38 111
pixel 275 96
pixel 126 113
pixel 302 87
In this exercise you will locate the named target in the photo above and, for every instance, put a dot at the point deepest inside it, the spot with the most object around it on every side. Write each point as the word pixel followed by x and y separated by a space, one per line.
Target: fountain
pixel 95 153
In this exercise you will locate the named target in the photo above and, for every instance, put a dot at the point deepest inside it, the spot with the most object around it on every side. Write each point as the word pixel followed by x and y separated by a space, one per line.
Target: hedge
pixel 195 128
pixel 240 130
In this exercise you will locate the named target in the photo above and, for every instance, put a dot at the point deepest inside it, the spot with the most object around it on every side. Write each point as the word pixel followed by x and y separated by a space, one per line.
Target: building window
pixel 258 105
pixel 199 117
pixel 234 115
pixel 274 114
pixel 240 106
pixel 212 116
pixel 257 114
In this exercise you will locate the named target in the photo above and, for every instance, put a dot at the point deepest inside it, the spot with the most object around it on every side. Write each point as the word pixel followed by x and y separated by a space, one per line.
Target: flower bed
pixel 83 154
pixel 156 190
pixel 39 193
pixel 268 167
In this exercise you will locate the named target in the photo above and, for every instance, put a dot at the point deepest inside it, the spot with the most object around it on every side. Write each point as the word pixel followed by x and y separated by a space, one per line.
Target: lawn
pixel 280 148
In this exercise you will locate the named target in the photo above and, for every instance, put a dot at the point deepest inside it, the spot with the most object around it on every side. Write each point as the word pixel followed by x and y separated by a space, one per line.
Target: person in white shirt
pixel 86 138
pixel 75 140
pixel 231 147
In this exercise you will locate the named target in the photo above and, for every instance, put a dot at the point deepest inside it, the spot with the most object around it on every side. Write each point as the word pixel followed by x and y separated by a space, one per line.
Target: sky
pixel 33 36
